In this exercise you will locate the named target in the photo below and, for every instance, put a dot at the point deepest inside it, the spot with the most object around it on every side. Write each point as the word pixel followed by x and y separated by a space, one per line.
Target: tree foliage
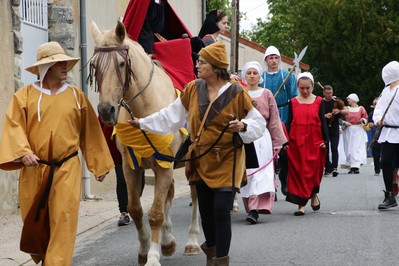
pixel 349 41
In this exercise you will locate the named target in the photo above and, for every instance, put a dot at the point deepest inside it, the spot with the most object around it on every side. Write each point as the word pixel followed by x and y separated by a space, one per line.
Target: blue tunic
pixel 289 90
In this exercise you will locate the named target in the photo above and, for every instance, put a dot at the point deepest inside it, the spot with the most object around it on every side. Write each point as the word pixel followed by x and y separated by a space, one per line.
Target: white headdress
pixel 390 72
pixel 307 75
pixel 255 65
pixel 353 97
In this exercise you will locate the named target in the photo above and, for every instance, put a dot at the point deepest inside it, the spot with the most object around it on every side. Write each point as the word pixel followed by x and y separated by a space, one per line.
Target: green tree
pixel 349 41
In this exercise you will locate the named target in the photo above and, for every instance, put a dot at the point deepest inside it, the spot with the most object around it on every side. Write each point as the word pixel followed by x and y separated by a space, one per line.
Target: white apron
pixel 262 181
pixel 355 141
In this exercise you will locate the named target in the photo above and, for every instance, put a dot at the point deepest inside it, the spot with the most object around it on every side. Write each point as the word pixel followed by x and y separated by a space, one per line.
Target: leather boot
pixel 388 202
pixel 209 252
pixel 223 261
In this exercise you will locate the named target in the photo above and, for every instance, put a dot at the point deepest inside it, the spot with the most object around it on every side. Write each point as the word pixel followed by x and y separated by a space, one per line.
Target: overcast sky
pixel 254 9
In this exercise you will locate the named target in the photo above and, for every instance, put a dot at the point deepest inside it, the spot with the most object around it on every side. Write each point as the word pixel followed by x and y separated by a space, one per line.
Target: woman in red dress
pixel 307 145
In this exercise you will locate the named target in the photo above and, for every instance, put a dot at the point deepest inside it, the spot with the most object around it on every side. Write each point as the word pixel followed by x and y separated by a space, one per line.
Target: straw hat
pixel 51 52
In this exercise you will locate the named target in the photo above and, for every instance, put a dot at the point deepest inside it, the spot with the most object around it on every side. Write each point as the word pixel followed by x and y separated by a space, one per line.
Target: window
pixel 34 12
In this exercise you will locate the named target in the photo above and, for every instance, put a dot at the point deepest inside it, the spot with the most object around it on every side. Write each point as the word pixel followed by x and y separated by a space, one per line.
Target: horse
pixel 125 73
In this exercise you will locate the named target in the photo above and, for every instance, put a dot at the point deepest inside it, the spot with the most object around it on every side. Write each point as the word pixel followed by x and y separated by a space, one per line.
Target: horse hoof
pixel 191 250
pixel 142 259
pixel 153 262
pixel 168 250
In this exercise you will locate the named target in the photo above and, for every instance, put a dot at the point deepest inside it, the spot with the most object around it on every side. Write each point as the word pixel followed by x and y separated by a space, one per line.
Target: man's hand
pixel 101 177
pixel 30 159
pixel 328 115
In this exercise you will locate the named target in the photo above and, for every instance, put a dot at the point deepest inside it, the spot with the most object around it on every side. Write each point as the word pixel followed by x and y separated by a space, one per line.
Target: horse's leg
pixel 163 181
pixel 133 184
pixel 168 243
pixel 192 247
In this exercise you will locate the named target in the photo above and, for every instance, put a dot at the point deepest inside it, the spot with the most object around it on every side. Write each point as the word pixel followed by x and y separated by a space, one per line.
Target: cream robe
pixel 71 121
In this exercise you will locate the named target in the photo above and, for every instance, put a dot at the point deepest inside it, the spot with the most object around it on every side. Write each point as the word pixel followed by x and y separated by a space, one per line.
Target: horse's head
pixel 111 67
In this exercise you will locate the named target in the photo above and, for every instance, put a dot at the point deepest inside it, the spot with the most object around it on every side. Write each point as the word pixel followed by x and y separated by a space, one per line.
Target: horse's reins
pixel 145 87
pixel 237 143
pixel 165 157
pixel 123 103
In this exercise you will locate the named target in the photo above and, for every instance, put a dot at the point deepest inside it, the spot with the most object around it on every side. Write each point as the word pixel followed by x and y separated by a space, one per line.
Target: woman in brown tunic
pixel 212 174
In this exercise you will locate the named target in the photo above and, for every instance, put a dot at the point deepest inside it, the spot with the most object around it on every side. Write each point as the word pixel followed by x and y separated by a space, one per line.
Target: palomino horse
pixel 123 71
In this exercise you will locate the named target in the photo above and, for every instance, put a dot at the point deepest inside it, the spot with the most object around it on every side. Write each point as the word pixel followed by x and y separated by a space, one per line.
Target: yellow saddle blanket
pixel 134 138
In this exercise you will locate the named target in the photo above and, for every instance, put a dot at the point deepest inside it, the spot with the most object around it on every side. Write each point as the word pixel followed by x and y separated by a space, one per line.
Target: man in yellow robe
pixel 46 121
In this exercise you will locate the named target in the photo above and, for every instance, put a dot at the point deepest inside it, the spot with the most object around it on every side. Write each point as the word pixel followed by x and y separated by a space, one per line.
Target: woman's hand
pixel 346 123
pixel 134 122
pixel 323 145
pixel 236 125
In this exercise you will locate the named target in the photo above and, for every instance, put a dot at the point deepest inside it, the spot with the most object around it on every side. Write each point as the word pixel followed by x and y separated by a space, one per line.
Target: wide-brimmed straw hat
pixel 51 52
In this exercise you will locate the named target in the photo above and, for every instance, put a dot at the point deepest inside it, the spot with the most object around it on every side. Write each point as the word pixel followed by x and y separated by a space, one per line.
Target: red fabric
pixel 107 131
pixel 175 57
pixel 285 130
pixel 134 17
pixel 174 54
pixel 305 156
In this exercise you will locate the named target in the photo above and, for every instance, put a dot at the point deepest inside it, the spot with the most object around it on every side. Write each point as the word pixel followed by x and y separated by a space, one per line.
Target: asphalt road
pixel 347 230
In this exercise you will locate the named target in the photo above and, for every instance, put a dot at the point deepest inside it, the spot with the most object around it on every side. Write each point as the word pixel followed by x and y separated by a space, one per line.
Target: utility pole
pixel 234 36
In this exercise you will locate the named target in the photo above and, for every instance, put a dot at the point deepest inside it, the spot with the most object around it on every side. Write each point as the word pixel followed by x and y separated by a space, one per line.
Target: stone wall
pixel 10 81
pixel 62 28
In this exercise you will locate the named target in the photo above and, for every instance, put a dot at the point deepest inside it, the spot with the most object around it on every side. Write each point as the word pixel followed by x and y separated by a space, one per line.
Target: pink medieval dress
pixel 259 193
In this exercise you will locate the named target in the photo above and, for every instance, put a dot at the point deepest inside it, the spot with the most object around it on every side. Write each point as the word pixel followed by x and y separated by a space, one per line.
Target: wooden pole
pixel 233 41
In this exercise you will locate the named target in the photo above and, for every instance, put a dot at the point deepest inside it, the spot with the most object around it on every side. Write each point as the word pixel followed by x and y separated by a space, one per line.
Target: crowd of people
pixel 298 135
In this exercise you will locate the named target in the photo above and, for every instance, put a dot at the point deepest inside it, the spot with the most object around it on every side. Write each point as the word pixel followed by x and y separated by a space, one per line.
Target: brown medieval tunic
pixel 215 168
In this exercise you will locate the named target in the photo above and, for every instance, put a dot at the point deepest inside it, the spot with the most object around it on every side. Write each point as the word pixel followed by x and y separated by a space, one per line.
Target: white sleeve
pixel 256 125
pixel 167 121
pixel 382 103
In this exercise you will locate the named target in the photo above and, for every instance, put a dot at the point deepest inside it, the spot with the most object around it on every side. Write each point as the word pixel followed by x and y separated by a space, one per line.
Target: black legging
pixel 214 207
pixel 283 167
pixel 333 135
pixel 376 152
pixel 390 155
pixel 121 189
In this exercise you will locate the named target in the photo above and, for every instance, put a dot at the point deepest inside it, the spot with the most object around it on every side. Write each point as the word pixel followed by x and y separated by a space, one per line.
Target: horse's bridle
pixel 123 50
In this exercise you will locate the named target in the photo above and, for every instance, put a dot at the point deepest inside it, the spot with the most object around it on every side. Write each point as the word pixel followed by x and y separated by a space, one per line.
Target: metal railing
pixel 34 12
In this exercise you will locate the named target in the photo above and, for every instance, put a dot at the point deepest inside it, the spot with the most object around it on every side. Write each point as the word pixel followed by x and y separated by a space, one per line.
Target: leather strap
pixel 197 137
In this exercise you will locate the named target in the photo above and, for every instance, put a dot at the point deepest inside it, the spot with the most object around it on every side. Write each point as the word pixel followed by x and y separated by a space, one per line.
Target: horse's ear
pixel 95 32
pixel 120 32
